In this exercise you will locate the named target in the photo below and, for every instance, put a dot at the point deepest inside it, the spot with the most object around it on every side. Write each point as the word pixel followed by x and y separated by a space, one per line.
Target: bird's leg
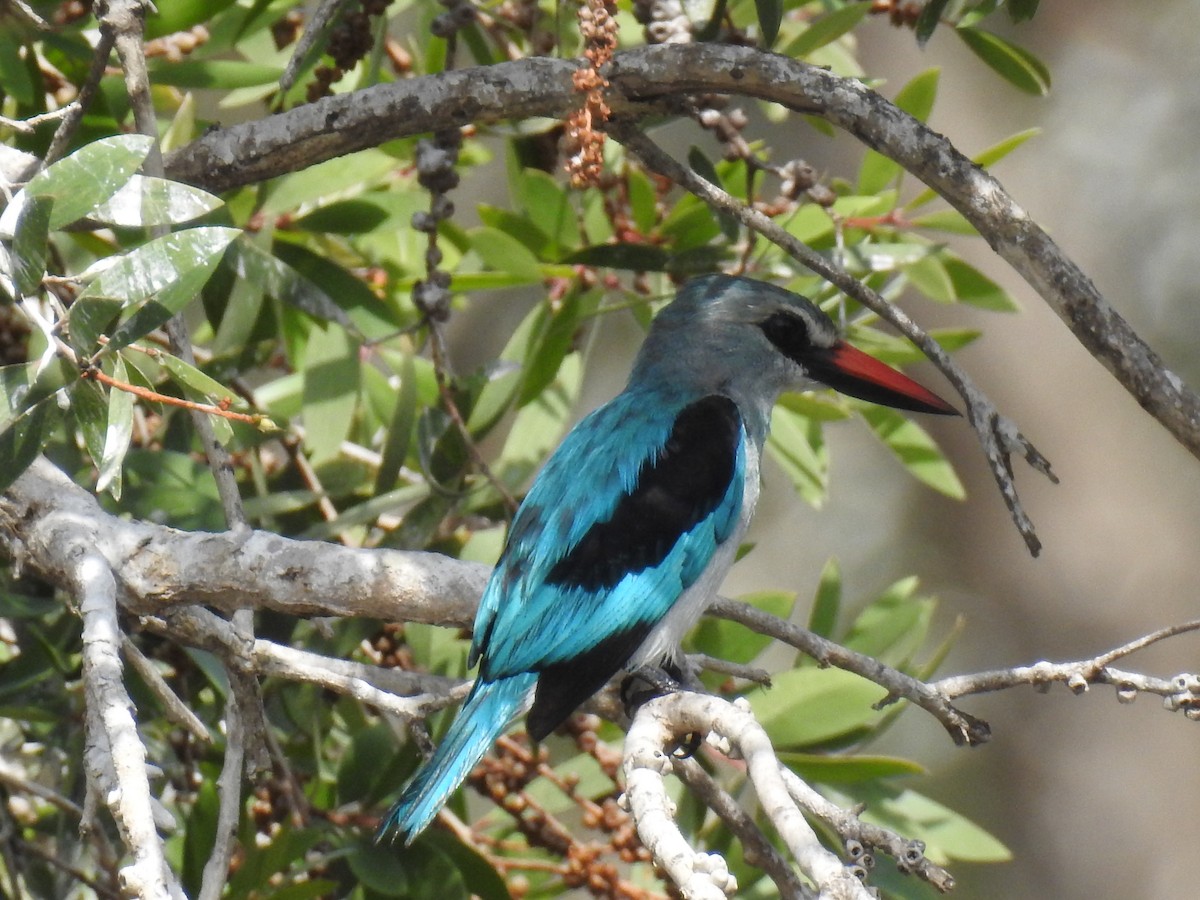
pixel 647 682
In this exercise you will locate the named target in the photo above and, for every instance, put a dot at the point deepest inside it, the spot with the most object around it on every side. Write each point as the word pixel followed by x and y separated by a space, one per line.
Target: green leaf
pixel 504 253
pixel 24 436
pixel 1016 65
pixel 154 281
pixel 928 20
pixel 143 202
pixel 737 643
pixel 703 167
pixel 540 424
pixel 118 433
pixel 929 276
pixel 399 429
pixel 947 835
pixel 541 365
pixel 88 177
pixel 916 98
pixel 822 619
pixel 893 627
pixel 30 244
pixel 631 257
pixel 840 769
pixel 548 206
pixel 915 449
pixel 379 868
pixel 826 29
pixel 221 74
pixel 90 409
pixel 15 80
pixel 798 445
pixel 365 762
pixel 331 387
pixel 315 285
pixel 770 14
pixel 973 287
pixel 354 216
pixel 809 706
pixel 1022 10
pixel 197 384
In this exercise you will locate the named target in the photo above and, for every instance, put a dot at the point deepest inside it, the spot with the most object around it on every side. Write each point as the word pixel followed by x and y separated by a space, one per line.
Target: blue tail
pixel 490 708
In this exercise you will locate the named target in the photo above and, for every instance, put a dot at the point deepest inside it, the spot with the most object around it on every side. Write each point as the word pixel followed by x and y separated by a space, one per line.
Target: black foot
pixel 648 682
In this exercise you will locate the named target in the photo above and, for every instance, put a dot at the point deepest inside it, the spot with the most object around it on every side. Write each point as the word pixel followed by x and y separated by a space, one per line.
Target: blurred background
pixel 1095 799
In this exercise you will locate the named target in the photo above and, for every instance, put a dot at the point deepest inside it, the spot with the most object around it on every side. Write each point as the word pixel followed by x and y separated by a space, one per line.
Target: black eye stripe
pixel 789 333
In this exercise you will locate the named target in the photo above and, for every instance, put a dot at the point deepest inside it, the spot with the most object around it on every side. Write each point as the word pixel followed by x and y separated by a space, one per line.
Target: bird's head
pixel 740 332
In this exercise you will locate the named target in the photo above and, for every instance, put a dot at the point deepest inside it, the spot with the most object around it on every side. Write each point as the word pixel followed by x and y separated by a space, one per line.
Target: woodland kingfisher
pixel 630 527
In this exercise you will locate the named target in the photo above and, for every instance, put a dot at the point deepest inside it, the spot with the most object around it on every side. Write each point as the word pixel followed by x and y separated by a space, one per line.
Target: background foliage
pixel 332 302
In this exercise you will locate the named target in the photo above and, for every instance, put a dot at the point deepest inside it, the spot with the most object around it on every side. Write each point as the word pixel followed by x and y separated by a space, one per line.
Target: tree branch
pixel 335 126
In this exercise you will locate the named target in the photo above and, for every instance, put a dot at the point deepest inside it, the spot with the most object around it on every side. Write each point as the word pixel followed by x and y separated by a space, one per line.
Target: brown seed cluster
pixel 584 139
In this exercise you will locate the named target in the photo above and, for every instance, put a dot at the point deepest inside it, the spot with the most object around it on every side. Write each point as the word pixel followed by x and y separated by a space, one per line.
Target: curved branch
pixel 335 126
pixel 160 567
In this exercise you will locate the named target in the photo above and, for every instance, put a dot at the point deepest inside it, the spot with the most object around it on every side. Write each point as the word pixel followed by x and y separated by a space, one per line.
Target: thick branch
pixel 160 568
pixel 542 87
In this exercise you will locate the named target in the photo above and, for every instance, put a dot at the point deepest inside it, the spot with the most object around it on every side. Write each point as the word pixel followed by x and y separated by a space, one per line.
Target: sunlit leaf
pixel 118 433
pixel 156 280
pixel 83 180
pixel 143 202
pixel 30 243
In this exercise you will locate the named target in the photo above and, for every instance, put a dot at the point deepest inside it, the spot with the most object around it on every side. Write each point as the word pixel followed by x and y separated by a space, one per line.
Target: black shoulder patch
pixel 673 492
pixel 562 687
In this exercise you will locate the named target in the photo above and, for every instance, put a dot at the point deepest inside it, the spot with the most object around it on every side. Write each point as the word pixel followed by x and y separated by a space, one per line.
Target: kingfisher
pixel 627 532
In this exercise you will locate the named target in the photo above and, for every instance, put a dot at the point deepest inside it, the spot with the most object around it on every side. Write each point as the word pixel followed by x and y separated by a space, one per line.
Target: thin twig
pixel 97 374
pixel 176 710
pixel 962 727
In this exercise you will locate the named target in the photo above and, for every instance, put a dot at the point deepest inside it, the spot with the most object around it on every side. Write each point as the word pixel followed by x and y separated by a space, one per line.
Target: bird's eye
pixel 789 333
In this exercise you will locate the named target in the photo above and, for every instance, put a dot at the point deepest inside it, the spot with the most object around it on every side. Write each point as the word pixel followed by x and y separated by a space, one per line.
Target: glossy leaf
pixel 156 280
pixel 83 180
pixel 1016 65
pixel 118 433
pixel 30 245
pixel 143 202
pixel 23 437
